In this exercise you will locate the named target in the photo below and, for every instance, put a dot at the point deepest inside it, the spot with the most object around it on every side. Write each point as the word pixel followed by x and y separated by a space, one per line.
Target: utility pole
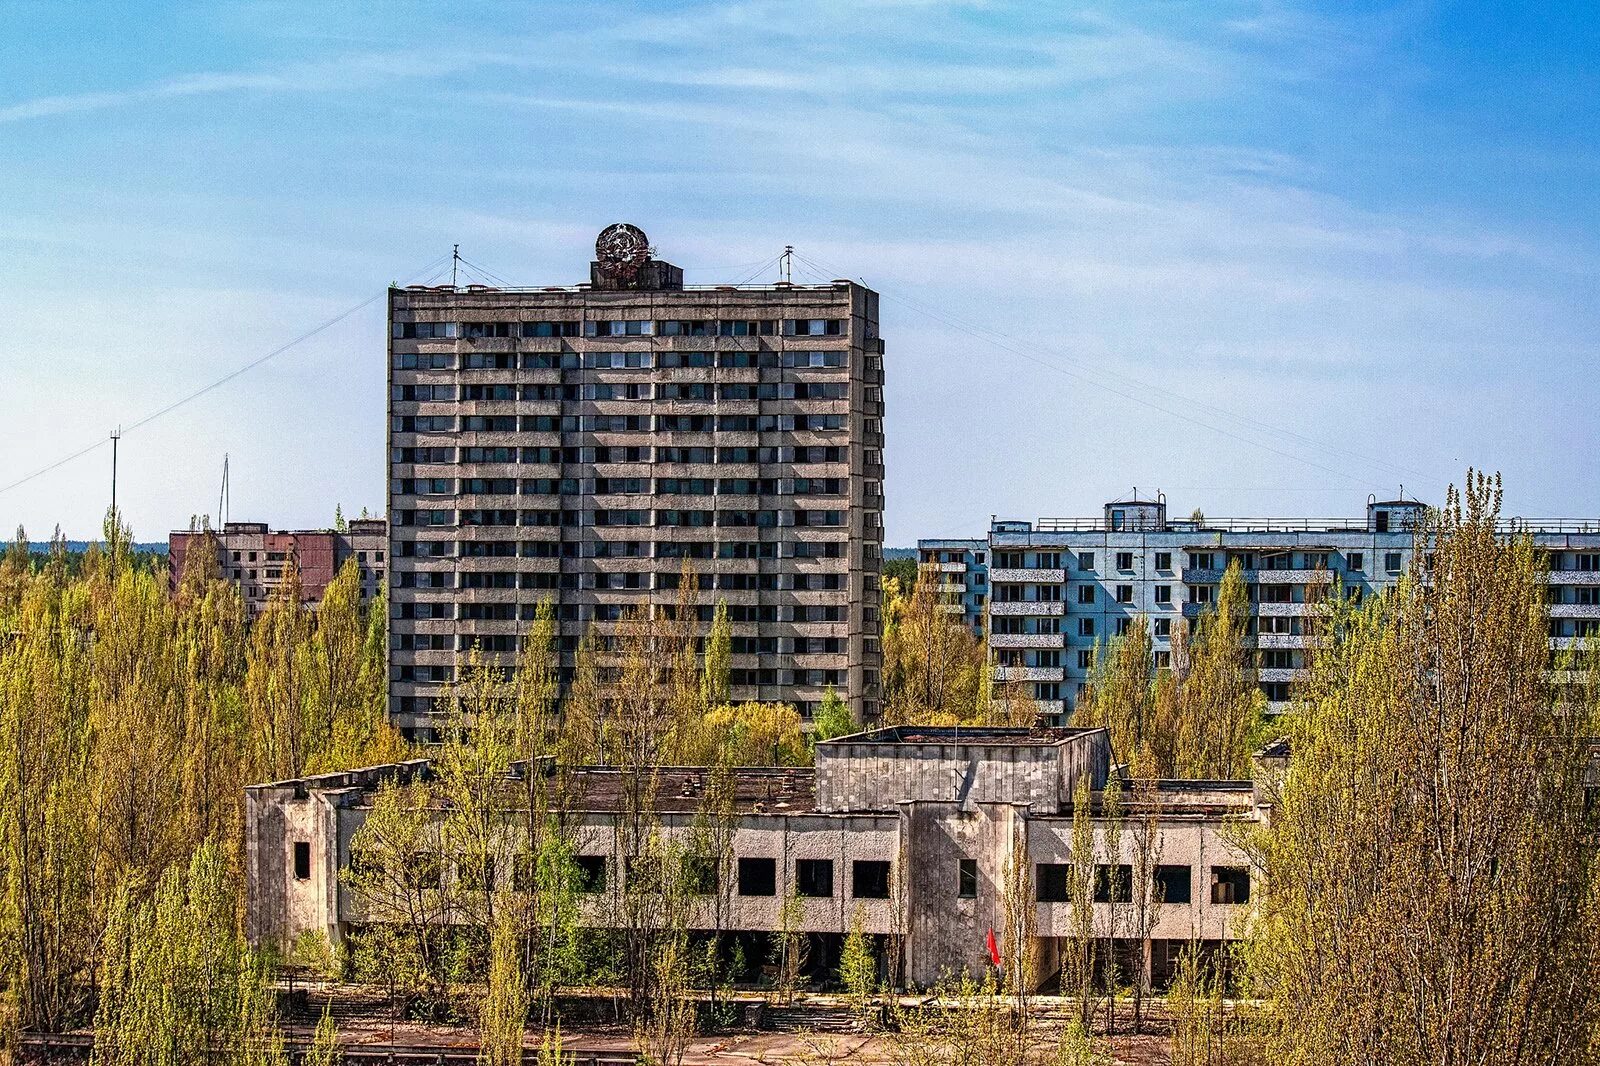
pixel 116 518
pixel 788 264
pixel 455 258
pixel 222 497
pixel 116 435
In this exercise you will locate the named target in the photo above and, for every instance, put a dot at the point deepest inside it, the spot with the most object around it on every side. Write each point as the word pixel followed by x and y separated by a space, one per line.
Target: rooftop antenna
pixel 455 258
pixel 788 264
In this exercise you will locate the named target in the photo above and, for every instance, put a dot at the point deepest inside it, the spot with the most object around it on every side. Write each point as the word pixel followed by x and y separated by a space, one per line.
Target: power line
pixel 203 390
pixel 1086 374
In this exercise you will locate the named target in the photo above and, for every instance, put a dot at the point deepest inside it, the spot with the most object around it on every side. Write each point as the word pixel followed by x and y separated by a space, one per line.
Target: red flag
pixel 994 950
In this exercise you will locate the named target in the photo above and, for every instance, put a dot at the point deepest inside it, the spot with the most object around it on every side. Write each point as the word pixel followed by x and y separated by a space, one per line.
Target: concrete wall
pixel 947 933
pixel 877 774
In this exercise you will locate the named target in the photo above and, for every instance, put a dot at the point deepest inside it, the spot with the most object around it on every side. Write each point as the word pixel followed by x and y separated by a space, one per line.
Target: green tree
pixel 832 718
pixel 718 661
pixel 503 1017
pixel 1429 871
pixel 858 967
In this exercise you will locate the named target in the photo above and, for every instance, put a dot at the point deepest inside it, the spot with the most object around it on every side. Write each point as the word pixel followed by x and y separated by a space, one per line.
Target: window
pixel 1163 593
pixel 1124 560
pixel 967 879
pixel 1163 627
pixel 1086 560
pixel 1085 659
pixel 869 879
pixel 1202 594
pixel 700 874
pixel 814 878
pixel 1383 521
pixel 1113 884
pixel 1163 560
pixel 1200 560
pixel 1355 560
pixel 1172 884
pixel 1085 593
pixel 758 877
pixel 302 860
pixel 1124 593
pixel 1391 562
pixel 1122 626
pixel 1086 627
pixel 1230 884
pixel 1052 881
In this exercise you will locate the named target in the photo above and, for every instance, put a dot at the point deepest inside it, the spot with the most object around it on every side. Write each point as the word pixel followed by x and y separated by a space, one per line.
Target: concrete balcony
pixel 1052 706
pixel 1286 609
pixel 1281 640
pixel 950 589
pixel 1037 577
pixel 1213 576
pixel 1574 610
pixel 1039 608
pixel 1027 673
pixel 950 568
pixel 1573 577
pixel 1279 675
pixel 1026 640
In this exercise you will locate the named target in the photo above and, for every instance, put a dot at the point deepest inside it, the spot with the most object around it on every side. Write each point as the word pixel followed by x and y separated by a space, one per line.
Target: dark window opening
pixel 1230 884
pixel 967 888
pixel 814 878
pixel 1113 884
pixel 700 875
pixel 302 860
pixel 1172 883
pixel 758 877
pixel 1053 880
pixel 591 873
pixel 869 879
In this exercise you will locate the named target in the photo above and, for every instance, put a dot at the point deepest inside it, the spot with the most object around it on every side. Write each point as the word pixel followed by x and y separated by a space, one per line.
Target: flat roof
pixel 1041 736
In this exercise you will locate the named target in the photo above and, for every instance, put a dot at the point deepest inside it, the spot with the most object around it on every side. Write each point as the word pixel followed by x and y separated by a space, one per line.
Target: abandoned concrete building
pixel 582 444
pixel 918 830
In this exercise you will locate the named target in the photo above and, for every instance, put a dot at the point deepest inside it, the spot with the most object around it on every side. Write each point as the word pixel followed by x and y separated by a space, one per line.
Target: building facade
pixel 1060 586
pixel 582 443
pixel 918 829
pixel 963 573
pixel 257 559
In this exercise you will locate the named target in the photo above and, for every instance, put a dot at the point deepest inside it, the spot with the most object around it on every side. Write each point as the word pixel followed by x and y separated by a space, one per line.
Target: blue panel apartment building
pixel 963 570
pixel 1059 586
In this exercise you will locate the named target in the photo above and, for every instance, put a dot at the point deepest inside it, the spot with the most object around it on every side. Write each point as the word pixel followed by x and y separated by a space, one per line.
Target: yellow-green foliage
pixel 131 719
pixel 1429 867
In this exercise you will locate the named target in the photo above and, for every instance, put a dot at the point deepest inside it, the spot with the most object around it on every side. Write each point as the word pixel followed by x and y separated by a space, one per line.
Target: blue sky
pixel 1265 257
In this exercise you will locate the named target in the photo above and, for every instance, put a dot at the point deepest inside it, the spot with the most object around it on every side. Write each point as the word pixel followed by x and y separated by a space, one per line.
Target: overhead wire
pixel 219 382
pixel 764 265
pixel 1086 374
pixel 1131 397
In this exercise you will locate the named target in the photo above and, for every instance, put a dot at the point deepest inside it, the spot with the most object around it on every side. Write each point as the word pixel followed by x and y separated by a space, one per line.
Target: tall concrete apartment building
pixel 257 558
pixel 579 443
pixel 1059 586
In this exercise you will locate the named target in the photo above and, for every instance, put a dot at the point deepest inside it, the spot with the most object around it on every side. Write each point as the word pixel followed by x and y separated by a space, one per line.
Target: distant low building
pixel 257 559
pixel 918 830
